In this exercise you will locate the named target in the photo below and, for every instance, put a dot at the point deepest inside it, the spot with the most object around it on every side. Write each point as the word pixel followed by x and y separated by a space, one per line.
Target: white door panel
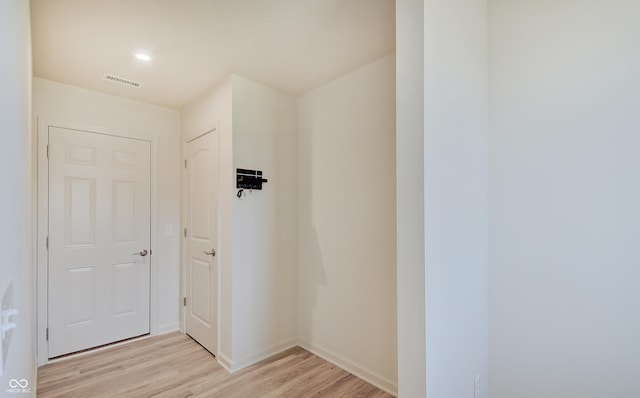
pixel 202 237
pixel 99 216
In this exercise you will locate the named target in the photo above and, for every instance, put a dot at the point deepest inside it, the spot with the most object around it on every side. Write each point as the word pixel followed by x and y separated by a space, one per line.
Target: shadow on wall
pixel 313 277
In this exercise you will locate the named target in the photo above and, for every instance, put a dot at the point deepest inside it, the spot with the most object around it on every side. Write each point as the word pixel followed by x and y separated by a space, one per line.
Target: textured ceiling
pixel 291 45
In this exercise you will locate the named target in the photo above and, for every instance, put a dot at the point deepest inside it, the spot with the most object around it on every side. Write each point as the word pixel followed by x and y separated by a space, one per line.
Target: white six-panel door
pixel 202 238
pixel 99 230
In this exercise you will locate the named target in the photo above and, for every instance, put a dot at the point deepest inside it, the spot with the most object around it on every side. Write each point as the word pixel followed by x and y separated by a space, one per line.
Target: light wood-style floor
pixel 174 366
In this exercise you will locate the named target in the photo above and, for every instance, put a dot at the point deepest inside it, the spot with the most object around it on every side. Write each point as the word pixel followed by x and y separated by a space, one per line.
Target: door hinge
pixel 185 232
pixel 47 333
pixel 47 243
pixel 184 301
pixel 47 151
pixel 185 163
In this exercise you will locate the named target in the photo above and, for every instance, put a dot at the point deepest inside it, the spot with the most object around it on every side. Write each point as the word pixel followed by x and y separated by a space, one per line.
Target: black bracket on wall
pixel 249 179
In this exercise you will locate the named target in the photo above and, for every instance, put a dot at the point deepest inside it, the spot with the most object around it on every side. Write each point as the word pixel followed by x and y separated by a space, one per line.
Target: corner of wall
pixel 410 191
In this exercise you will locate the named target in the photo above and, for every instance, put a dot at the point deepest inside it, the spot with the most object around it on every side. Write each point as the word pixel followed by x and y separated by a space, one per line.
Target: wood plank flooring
pixel 175 366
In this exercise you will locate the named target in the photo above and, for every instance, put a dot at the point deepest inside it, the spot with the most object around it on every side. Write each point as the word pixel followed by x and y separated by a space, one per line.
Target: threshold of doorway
pixel 98 348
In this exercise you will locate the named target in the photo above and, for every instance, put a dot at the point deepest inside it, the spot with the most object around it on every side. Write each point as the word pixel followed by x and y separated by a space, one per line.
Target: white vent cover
pixel 121 80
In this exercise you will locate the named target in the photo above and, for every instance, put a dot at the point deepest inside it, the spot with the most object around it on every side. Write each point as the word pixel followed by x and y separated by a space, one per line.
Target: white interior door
pixel 202 238
pixel 99 234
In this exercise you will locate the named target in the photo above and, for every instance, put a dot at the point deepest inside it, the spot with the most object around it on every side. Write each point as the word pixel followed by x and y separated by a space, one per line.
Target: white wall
pixel 564 195
pixel 442 157
pixel 456 197
pixel 412 362
pixel 346 222
pixel 55 102
pixel 264 223
pixel 16 264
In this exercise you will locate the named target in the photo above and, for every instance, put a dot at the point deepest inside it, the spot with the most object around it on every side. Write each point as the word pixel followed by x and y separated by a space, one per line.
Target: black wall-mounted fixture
pixel 249 179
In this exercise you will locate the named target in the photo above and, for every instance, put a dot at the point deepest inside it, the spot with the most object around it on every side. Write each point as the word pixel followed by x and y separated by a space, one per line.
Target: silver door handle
pixel 141 253
pixel 212 253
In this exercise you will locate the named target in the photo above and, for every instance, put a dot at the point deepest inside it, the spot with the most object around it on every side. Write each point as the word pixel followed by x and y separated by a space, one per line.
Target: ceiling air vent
pixel 122 80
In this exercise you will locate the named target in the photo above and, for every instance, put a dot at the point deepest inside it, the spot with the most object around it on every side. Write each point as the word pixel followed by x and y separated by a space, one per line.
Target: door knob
pixel 211 253
pixel 142 253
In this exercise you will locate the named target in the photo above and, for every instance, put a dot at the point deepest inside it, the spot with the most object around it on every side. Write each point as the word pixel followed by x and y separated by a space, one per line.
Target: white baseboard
pixel 168 328
pixel 366 375
pixel 233 366
pixel 224 361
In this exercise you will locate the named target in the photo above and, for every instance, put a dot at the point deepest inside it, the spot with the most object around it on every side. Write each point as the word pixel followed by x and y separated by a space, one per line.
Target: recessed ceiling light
pixel 142 56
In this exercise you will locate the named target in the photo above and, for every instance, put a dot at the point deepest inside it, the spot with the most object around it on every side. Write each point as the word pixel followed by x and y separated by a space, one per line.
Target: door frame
pixel 215 128
pixel 41 226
